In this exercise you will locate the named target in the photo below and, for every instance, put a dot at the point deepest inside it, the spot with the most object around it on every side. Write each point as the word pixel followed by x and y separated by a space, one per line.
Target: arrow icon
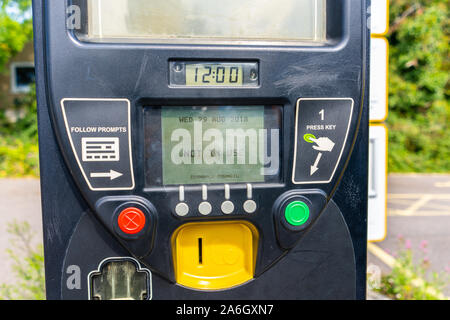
pixel 111 174
pixel 314 167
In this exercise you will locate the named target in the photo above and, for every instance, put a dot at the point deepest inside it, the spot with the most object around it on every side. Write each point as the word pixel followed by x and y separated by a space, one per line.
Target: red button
pixel 131 220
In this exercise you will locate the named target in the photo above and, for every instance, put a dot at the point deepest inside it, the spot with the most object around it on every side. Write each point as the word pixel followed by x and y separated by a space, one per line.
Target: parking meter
pixel 203 149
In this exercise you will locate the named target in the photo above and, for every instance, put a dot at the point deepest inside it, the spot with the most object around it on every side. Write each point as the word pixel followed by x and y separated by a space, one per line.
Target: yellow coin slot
pixel 214 255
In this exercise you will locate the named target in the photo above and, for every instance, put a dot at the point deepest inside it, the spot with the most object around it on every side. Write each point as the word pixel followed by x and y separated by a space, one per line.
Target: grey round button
pixel 205 208
pixel 227 207
pixel 182 209
pixel 250 206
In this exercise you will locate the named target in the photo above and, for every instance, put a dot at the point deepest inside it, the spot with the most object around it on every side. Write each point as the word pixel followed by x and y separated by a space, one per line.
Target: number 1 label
pixel 322 114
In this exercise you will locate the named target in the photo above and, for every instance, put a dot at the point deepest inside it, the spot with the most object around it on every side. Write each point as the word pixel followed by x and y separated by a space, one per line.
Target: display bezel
pixel 178 73
pixel 153 145
pixel 88 32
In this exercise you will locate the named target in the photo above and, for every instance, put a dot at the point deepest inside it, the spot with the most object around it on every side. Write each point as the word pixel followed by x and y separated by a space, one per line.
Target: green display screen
pixel 214 75
pixel 217 144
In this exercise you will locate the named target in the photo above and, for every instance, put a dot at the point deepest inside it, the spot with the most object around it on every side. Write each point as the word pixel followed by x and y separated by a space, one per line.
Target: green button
pixel 296 213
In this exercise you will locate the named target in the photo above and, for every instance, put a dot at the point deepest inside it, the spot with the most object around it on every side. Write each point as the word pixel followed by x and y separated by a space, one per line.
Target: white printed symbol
pixel 323 144
pixel 111 174
pixel 315 167
pixel 100 149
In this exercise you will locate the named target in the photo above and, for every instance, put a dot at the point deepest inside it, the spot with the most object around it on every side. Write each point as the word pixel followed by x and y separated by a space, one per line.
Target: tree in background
pixel 419 136
pixel 16 28
pixel 18 140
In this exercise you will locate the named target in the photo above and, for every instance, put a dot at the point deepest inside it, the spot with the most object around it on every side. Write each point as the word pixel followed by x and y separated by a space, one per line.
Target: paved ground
pixel 418 213
pixel 19 201
pixel 418 210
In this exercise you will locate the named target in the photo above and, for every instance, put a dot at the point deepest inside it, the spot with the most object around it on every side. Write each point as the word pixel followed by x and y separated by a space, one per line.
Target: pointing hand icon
pixel 323 144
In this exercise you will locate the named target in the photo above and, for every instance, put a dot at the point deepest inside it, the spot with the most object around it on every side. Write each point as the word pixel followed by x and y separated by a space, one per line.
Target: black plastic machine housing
pixel 81 84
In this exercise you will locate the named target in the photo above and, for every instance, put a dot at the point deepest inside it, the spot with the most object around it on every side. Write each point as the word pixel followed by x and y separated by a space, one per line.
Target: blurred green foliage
pixel 419 111
pixel 16 28
pixel 27 265
pixel 19 152
pixel 411 277
pixel 18 138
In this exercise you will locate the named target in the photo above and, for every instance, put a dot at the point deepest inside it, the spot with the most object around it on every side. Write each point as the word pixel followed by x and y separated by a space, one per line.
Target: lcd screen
pixel 213 75
pixel 212 144
pixel 204 21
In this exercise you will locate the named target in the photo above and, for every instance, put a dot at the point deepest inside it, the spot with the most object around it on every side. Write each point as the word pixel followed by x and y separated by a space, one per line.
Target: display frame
pixel 153 155
pixel 323 35
pixel 248 74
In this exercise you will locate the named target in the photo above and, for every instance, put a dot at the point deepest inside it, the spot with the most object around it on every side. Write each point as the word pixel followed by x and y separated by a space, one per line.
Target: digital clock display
pixel 214 75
